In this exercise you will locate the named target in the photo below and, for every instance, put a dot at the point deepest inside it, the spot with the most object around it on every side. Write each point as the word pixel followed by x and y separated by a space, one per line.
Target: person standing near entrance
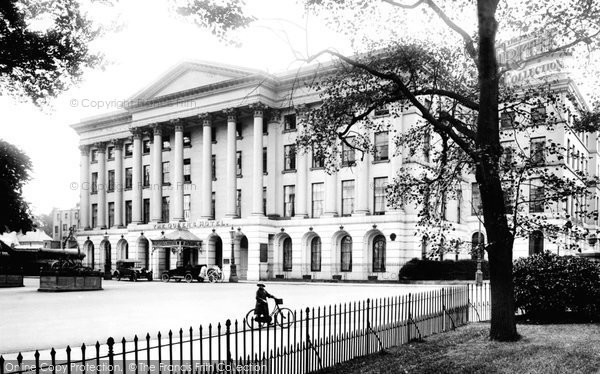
pixel 261 309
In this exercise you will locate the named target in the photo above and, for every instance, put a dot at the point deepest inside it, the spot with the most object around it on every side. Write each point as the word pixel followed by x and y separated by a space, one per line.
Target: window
pixel 538 115
pixel 475 200
pixel 146 211
pixel 56 229
pixel 347 197
pixel 289 200
pixel 165 208
pixel 238 203
pixel 265 201
pixel 348 154
pixel 213 135
pixel 382 111
pixel 507 153
pixel 94 155
pixel 346 254
pixel 289 152
pixel 128 212
pixel 128 178
pixel 536 199
pixel 64 227
pixel 187 207
pixel 265 163
pixel 536 242
pixel 187 170
pixel 536 149
pixel 166 143
pixel 111 180
pixel 318 160
pixel 213 205
pixel 165 173
pixel 507 119
pixel 238 130
pixel 110 152
pixel 146 147
pixel 426 146
pixel 287 254
pixel 111 214
pixel 381 146
pixel 213 165
pixel 315 254
pixel 289 122
pixel 128 149
pixel 94 215
pixel 94 182
pixel 146 175
pixel 317 199
pixel 379 254
pixel 459 206
pixel 238 163
pixel 265 128
pixel 379 195
pixel 187 139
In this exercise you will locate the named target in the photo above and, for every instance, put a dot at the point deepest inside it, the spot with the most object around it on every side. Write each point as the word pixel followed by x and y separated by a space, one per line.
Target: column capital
pixel 177 124
pixel 117 143
pixel 258 108
pixel 231 114
pixel 100 146
pixel 84 149
pixel 206 119
pixel 274 116
pixel 136 132
pixel 157 128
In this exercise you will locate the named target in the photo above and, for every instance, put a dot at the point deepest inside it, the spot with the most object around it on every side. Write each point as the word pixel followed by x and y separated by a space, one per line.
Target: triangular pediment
pixel 190 75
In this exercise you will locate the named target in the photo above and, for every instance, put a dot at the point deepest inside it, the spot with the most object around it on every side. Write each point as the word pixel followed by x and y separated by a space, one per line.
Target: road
pixel 32 320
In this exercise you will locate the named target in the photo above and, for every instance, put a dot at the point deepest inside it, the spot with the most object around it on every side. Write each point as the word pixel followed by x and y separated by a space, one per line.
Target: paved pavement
pixel 32 320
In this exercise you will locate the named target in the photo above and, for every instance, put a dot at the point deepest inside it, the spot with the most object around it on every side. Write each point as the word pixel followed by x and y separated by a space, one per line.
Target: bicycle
pixel 282 317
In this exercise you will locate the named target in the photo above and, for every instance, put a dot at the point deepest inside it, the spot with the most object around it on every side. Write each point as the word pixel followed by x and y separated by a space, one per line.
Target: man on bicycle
pixel 261 310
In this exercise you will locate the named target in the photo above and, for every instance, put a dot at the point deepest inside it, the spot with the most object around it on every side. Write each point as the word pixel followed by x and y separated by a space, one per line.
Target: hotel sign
pixel 190 225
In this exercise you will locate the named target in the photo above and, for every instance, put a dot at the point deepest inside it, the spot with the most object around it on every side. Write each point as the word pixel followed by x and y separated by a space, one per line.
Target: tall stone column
pixel 118 146
pixel 257 160
pixel 101 185
pixel 301 175
pixel 177 172
pixel 136 177
pixel 395 154
pixel 206 183
pixel 273 159
pixel 156 176
pixel 230 208
pixel 362 185
pixel 330 195
pixel 84 188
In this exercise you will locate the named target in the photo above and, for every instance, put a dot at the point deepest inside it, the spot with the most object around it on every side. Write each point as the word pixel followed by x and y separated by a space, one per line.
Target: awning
pixel 180 238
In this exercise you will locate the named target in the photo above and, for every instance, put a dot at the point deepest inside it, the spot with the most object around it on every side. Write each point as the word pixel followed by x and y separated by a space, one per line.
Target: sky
pixel 150 41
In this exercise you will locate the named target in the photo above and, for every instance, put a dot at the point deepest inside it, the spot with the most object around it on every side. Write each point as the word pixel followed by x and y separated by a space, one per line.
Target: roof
pixel 33 236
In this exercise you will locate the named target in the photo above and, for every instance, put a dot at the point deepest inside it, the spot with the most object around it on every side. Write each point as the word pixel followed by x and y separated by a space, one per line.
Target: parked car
pixel 188 273
pixel 131 269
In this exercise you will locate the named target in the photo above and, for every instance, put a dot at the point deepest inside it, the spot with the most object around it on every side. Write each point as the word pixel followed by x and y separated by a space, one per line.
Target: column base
pixel 231 215
pixel 330 214
pixel 361 213
pixel 300 216
pixel 208 218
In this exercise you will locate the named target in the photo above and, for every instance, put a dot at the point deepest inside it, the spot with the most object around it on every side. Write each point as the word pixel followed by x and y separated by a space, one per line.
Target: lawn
pixel 567 348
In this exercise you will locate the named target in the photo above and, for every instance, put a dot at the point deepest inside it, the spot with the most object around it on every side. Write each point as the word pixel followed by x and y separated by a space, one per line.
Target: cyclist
pixel 261 310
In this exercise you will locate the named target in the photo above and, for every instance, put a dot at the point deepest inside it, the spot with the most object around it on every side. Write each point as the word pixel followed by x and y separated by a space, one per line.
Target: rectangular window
pixel 458 206
pixel 265 128
pixel 128 178
pixel 165 208
pixel 382 111
pixel 238 203
pixel 213 165
pixel 238 130
pixel 475 200
pixel 536 198
pixel 166 143
pixel 213 205
pixel 289 154
pixel 166 173
pixel 187 139
pixel 318 161
pixel 507 119
pixel 111 214
pixel 379 195
pixel 289 200
pixel 146 211
pixel 111 180
pixel 128 212
pixel 213 135
pixel 94 215
pixel 146 175
pixel 538 115
pixel 128 149
pixel 110 152
pixel 56 229
pixel 265 163
pixel 348 154
pixel 347 197
pixel 507 153
pixel 146 147
pixel 264 200
pixel 94 182
pixel 318 192
pixel 187 170
pixel 426 146
pixel 536 149
pixel 187 206
pixel 94 155
pixel 238 163
pixel 289 122
pixel 381 146
pixel 64 227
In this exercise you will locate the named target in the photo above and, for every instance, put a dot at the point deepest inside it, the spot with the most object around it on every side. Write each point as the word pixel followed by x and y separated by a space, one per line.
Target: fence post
pixel 110 342
pixel 443 311
pixel 228 341
pixel 367 331
pixel 306 358
pixel 409 317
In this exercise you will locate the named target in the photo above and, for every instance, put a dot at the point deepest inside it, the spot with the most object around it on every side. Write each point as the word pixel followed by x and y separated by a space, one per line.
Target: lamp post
pixel 233 278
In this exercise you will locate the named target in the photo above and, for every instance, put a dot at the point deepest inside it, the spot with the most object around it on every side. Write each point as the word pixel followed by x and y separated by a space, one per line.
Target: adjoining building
pixel 210 149
pixel 64 221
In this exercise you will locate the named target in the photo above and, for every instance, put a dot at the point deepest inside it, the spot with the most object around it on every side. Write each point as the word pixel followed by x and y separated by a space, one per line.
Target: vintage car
pixel 188 273
pixel 131 269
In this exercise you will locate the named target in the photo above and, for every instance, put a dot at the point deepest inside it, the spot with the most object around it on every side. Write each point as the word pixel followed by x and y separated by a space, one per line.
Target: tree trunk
pixel 500 239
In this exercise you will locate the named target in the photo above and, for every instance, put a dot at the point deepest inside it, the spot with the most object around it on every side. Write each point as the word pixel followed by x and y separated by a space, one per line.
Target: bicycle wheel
pixel 252 323
pixel 285 318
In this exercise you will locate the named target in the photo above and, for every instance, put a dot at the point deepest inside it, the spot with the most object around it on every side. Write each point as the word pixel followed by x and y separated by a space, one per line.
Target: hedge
pixel 417 269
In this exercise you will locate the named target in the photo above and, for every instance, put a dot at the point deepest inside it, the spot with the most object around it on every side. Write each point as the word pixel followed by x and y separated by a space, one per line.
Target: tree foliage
pixel 15 169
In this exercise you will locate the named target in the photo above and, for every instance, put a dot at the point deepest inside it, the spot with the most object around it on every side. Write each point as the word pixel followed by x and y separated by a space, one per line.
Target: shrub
pixel 548 286
pixel 417 269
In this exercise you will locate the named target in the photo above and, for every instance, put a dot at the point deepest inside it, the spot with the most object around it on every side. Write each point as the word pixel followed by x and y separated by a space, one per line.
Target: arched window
pixel 346 253
pixel 536 242
pixel 315 254
pixel 122 249
pixel 379 254
pixel 287 254
pixel 477 241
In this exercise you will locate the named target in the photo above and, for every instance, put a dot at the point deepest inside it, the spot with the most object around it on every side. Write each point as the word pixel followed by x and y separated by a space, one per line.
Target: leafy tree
pixel 44 222
pixel 455 83
pixel 15 168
